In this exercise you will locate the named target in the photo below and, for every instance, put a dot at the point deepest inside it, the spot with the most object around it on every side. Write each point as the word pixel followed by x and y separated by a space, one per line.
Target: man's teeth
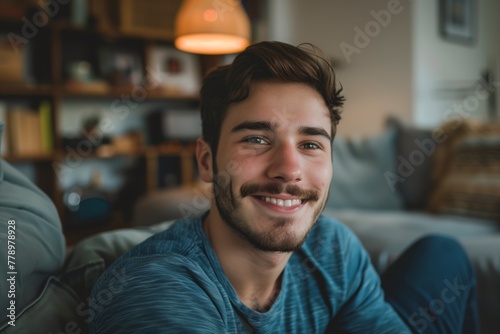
pixel 281 202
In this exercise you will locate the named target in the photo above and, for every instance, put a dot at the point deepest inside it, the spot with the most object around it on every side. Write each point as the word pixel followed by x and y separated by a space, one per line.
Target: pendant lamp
pixel 212 27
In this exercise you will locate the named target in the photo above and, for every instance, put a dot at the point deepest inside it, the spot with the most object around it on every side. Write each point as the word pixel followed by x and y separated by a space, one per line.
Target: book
pixel 46 126
pixel 24 131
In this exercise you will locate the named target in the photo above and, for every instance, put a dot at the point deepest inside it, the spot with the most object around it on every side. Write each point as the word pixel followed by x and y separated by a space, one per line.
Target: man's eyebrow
pixel 259 126
pixel 313 131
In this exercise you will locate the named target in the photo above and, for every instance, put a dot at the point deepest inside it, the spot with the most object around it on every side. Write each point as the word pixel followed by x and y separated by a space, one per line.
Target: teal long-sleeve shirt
pixel 173 283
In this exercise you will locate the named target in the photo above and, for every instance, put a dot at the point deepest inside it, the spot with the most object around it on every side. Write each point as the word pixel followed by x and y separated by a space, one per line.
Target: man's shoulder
pixel 165 275
pixel 328 227
pixel 330 234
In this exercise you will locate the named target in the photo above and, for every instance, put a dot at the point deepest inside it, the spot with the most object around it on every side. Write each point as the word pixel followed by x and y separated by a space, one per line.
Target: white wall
pixel 405 66
pixel 377 80
pixel 445 72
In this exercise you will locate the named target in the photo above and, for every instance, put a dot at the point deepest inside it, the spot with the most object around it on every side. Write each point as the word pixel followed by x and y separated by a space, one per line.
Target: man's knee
pixel 436 243
pixel 442 248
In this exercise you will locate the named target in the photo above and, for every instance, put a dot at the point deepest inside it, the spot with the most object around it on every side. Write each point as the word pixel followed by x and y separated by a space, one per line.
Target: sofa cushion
pixel 39 241
pixel 471 183
pixel 54 311
pixel 415 148
pixel 360 168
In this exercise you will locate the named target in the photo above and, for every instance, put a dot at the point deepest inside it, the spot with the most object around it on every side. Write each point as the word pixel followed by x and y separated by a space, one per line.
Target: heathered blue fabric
pixel 173 283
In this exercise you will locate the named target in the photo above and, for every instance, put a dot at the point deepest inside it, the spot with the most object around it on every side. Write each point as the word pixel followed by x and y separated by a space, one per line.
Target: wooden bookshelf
pixel 48 82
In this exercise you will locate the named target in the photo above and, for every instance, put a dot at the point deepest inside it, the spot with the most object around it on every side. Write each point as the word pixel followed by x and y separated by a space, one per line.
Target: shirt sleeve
pixel 364 309
pixel 156 295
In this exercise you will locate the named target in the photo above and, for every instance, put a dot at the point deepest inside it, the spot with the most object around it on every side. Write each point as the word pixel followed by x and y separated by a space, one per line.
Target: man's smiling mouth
pixel 281 202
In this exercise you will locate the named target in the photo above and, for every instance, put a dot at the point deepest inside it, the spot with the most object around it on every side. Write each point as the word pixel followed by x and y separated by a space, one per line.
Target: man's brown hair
pixel 275 61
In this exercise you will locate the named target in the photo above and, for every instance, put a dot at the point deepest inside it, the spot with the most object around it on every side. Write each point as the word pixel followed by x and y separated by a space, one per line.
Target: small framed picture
pixel 178 71
pixel 458 20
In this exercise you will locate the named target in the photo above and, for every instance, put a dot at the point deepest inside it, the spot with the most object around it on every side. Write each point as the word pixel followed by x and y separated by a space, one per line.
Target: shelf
pixel 41 157
pixel 14 89
pixel 107 91
pixel 163 94
pixel 174 148
pixel 113 33
pixel 88 91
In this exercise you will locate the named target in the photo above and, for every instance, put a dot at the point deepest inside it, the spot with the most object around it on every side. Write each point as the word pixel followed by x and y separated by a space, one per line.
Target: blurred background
pixel 413 59
pixel 101 105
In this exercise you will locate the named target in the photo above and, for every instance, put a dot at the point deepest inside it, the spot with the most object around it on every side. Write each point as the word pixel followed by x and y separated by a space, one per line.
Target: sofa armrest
pixel 170 204
pixel 90 258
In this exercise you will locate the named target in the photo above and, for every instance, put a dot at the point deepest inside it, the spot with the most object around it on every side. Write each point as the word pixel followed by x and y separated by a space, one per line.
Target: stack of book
pixel 29 132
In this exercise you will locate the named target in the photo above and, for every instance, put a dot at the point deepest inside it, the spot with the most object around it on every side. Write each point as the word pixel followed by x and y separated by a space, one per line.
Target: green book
pixel 46 126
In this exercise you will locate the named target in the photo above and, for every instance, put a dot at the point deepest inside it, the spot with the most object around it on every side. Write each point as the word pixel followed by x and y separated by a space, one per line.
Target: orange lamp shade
pixel 212 27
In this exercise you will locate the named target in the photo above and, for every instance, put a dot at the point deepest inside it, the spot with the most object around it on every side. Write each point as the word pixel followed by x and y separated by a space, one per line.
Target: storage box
pixel 149 18
pixel 11 62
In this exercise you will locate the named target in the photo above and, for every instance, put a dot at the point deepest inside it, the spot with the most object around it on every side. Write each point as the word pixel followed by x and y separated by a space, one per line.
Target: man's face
pixel 277 144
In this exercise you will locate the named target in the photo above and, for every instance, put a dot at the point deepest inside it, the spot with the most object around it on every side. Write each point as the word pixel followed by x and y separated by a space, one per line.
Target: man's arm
pixel 156 295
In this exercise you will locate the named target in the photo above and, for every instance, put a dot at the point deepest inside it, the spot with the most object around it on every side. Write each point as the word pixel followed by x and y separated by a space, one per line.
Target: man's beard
pixel 229 207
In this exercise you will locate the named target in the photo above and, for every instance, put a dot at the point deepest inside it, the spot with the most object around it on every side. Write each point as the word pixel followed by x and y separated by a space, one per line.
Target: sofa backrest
pixel 389 171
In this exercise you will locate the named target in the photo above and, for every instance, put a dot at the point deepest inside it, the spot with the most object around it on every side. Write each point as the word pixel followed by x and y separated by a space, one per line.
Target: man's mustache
pixel 249 189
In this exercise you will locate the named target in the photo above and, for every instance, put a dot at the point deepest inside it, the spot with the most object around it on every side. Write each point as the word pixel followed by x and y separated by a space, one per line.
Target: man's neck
pixel 254 274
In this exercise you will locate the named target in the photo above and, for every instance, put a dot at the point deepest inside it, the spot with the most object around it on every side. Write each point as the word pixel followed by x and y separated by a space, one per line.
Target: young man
pixel 263 260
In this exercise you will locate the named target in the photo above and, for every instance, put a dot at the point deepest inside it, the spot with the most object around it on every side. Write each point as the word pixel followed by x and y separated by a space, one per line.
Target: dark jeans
pixel 433 287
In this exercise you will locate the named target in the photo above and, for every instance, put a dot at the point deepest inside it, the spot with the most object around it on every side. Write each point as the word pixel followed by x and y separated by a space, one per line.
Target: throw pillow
pixel 470 181
pixel 360 173
pixel 415 148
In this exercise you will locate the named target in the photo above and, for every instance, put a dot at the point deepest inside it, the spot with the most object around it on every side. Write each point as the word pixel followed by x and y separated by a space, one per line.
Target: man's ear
pixel 204 158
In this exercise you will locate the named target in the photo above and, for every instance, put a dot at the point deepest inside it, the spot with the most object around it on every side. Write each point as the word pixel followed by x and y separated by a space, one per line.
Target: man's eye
pixel 255 140
pixel 311 146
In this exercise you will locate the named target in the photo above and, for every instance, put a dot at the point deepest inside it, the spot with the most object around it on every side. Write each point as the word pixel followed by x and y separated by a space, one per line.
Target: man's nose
pixel 285 164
